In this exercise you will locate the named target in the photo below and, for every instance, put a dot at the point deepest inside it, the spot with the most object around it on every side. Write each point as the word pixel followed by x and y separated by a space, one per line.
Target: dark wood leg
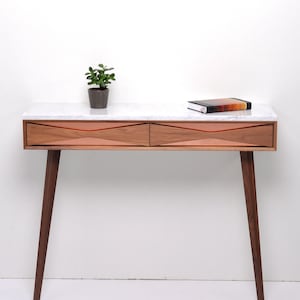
pixel 49 192
pixel 251 203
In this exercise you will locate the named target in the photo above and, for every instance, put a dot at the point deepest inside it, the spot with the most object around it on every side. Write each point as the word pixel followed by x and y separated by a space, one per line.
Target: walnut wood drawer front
pixel 84 134
pixel 214 135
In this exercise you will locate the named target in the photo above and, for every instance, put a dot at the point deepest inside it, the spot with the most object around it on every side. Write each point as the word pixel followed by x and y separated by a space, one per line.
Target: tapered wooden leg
pixel 251 202
pixel 49 192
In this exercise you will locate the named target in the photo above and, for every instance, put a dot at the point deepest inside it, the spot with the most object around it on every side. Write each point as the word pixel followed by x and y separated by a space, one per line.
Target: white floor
pixel 56 289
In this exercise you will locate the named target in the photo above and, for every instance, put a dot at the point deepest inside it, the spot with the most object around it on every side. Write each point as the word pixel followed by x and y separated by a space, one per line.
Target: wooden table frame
pixel 57 135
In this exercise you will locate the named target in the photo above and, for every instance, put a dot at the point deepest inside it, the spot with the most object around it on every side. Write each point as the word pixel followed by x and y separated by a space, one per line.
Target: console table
pixel 126 126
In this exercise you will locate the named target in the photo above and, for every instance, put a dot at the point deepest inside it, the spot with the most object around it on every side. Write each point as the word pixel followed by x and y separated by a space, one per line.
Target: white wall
pixel 150 214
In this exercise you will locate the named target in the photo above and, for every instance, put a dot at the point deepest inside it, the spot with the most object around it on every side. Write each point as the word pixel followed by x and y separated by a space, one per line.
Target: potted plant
pixel 98 95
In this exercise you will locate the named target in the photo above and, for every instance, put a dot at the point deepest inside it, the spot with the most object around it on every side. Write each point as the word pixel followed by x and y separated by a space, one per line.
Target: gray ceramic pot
pixel 98 97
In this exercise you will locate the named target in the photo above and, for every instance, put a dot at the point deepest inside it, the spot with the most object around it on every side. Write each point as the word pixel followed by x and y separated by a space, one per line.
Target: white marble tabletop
pixel 142 112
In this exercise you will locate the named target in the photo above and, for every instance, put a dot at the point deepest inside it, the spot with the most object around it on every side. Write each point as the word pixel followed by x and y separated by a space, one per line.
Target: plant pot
pixel 98 98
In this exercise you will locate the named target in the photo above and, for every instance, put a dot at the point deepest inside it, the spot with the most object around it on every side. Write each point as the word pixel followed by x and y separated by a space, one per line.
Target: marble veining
pixel 142 112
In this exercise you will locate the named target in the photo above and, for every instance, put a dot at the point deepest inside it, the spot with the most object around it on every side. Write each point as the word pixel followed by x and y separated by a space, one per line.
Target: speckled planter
pixel 98 98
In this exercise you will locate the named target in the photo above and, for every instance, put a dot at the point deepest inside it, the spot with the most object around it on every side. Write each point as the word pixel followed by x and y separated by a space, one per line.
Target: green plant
pixel 100 76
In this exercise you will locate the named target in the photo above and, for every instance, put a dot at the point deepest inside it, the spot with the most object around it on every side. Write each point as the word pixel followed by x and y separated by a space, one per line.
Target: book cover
pixel 219 105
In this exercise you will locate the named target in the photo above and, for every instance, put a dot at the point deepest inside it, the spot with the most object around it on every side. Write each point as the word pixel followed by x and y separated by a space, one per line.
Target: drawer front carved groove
pixel 216 134
pixel 85 134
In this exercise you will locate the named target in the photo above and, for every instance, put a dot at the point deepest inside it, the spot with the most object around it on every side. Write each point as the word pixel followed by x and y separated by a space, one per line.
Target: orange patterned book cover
pixel 219 105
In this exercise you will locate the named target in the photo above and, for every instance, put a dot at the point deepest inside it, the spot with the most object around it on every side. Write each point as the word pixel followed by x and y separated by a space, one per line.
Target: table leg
pixel 251 203
pixel 49 192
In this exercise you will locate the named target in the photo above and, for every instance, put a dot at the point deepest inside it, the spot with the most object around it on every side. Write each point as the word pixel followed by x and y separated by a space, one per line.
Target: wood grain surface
pixel 143 135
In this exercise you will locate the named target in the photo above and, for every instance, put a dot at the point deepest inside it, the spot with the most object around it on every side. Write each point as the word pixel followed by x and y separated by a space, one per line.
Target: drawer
pixel 84 134
pixel 214 135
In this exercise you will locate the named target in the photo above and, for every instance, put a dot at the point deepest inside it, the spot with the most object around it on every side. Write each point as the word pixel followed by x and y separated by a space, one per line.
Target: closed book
pixel 219 105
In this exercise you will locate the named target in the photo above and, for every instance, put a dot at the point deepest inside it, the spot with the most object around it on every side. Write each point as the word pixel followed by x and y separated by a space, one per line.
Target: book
pixel 219 105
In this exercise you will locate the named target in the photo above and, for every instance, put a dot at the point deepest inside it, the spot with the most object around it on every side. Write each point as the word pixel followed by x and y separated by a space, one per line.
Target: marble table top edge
pixel 142 112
